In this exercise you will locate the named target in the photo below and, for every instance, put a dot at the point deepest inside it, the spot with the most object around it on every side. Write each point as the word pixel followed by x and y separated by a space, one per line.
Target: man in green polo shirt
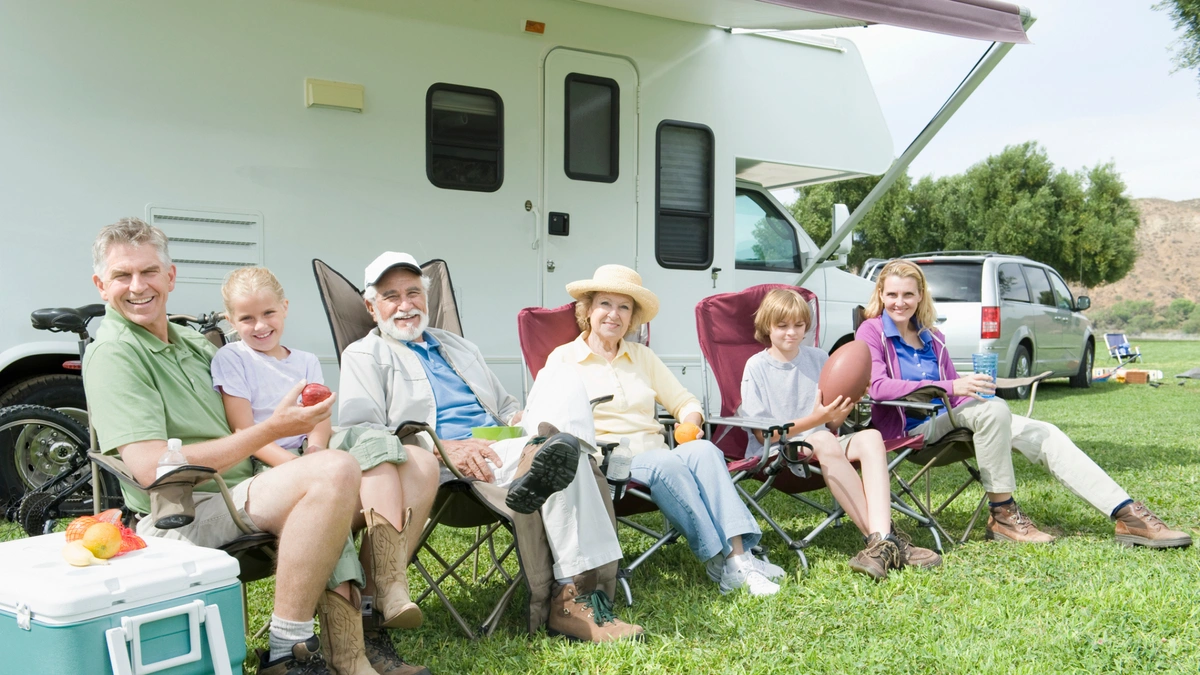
pixel 148 380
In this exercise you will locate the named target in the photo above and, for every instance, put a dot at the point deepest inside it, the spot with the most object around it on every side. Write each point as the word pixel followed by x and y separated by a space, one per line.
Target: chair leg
pixel 493 619
pixel 433 586
pixel 974 517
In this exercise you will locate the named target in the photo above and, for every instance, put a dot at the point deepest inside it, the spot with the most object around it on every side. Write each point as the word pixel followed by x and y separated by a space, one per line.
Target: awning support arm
pixel 990 59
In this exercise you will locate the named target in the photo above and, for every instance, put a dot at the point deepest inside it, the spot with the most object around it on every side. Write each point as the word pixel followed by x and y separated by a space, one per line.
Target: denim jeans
pixel 691 486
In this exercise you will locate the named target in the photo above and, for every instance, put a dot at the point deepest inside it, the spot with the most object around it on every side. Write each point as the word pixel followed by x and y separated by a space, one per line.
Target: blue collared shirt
pixel 915 364
pixel 458 410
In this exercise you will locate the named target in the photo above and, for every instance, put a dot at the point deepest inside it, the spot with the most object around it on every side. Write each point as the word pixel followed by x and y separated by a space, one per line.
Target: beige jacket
pixel 383 383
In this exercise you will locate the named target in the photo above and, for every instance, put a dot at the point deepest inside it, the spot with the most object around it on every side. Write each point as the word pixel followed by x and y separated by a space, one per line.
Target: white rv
pixel 525 142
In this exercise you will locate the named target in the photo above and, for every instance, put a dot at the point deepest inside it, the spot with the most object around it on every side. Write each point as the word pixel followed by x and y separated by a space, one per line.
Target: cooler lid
pixel 33 573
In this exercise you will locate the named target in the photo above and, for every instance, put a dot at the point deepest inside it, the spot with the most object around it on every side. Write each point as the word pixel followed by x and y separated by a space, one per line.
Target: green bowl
pixel 497 433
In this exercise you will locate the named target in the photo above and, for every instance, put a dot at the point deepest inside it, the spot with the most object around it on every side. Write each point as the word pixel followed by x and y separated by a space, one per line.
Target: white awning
pixel 989 20
pixel 774 175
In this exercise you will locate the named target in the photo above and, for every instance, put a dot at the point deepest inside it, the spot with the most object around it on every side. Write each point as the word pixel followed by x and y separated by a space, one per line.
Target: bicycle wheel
pixel 38 444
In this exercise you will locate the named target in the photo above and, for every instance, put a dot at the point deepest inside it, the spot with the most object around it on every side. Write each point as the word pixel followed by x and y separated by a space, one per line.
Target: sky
pixel 1095 86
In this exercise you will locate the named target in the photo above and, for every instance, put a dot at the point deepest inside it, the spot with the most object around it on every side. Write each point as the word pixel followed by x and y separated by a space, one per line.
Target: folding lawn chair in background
pixel 725 326
pixel 461 502
pixel 540 330
pixel 1120 349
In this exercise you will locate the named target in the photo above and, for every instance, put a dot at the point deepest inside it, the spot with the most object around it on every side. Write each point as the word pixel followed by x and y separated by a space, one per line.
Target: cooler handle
pixel 130 631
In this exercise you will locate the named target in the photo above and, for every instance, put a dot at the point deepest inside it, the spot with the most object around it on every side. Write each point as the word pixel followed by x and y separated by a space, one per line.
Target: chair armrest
pixel 409 428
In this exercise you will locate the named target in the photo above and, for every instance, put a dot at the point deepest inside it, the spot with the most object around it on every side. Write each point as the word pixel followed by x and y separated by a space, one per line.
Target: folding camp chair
pixel 460 502
pixel 540 330
pixel 725 327
pixel 1120 349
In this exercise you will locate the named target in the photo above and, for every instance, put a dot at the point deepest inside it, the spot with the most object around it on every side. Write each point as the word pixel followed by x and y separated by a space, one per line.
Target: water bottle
pixel 171 459
pixel 618 469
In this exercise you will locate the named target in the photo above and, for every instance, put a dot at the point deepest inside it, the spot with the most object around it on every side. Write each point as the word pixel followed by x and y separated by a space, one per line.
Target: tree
pixel 1186 15
pixel 884 231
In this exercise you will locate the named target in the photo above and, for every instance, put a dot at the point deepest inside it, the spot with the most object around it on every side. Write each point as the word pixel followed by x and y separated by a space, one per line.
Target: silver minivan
pixel 1016 307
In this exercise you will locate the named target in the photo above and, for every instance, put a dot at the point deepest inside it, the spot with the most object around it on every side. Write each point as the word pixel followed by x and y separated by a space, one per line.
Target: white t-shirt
pixel 263 380
pixel 773 389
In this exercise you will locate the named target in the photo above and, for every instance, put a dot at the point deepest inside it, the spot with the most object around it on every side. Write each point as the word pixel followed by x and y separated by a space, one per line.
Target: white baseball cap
pixel 387 261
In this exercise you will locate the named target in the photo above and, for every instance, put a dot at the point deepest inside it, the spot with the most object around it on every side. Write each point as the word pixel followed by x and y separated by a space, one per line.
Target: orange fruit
pixel 686 432
pixel 78 526
pixel 103 540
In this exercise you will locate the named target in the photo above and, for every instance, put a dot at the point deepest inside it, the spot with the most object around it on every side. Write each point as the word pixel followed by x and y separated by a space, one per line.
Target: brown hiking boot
pixel 1007 522
pixel 877 558
pixel 913 555
pixel 1138 526
pixel 587 618
pixel 305 660
pixel 384 659
pixel 342 635
pixel 548 464
pixel 384 557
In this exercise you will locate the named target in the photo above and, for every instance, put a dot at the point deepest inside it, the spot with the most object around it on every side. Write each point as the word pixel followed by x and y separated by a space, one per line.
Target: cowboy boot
pixel 342 636
pixel 384 556
pixel 548 464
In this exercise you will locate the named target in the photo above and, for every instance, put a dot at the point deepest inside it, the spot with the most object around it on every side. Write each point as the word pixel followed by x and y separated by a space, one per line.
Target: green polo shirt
pixel 140 388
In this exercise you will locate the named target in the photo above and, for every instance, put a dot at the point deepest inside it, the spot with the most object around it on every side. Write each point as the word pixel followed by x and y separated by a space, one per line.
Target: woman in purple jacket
pixel 908 353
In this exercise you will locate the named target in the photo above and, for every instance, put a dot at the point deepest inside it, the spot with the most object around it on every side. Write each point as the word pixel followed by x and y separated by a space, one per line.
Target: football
pixel 846 373
pixel 314 394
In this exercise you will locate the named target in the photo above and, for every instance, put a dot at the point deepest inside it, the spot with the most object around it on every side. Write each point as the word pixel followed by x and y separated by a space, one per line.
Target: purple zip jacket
pixel 886 384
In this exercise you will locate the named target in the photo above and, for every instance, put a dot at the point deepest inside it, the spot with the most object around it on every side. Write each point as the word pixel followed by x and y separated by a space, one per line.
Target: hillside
pixel 1168 264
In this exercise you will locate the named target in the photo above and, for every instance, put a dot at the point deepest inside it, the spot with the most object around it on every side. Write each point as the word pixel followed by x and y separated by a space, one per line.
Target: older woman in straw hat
pixel 689 483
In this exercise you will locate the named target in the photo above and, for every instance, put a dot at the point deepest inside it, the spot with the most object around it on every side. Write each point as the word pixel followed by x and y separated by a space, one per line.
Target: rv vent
pixel 205 245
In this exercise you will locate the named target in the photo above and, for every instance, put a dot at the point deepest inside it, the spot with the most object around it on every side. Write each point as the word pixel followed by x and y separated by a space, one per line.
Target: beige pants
pixel 998 431
pixel 580 535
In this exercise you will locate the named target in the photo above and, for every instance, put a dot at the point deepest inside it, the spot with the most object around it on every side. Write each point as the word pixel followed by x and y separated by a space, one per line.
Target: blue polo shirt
pixel 458 410
pixel 915 364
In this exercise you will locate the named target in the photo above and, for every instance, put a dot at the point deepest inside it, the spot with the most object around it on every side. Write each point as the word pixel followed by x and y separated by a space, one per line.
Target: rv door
pixel 589 216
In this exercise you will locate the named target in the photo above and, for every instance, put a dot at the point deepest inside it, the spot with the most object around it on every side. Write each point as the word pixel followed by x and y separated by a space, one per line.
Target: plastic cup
pixel 986 364
pixel 497 433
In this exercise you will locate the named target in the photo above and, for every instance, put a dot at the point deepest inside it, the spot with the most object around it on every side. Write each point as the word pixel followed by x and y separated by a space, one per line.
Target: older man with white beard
pixel 403 370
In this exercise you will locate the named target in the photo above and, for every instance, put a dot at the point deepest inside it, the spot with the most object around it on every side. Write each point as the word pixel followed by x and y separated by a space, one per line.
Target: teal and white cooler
pixel 170 608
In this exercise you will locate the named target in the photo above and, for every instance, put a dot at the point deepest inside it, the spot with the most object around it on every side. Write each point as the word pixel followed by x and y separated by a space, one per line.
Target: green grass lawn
pixel 1081 605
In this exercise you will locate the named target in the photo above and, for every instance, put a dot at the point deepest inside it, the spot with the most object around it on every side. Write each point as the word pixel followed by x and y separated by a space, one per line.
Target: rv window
pixel 763 238
pixel 593 106
pixel 683 222
pixel 464 138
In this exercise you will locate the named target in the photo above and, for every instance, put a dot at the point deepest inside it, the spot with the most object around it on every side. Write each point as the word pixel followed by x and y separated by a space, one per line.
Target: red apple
pixel 314 394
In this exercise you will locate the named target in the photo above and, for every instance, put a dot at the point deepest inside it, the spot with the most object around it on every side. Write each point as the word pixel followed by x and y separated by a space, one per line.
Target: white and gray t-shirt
pixel 774 389
pixel 240 371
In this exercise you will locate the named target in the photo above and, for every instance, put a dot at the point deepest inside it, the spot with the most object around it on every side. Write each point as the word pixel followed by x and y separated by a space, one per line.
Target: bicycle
pixel 48 472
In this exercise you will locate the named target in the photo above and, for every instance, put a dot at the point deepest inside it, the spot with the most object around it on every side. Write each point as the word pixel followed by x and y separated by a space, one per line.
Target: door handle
pixel 560 224
pixel 549 265
pixel 941 320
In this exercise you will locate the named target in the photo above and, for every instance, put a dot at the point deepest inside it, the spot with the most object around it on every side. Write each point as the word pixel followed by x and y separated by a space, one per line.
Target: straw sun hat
pixel 619 279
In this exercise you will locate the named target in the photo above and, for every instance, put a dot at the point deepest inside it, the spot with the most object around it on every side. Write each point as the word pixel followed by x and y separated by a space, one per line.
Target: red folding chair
pixel 540 330
pixel 725 326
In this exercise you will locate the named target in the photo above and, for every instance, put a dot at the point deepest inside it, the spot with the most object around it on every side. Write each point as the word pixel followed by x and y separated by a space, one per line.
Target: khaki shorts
pixel 213 526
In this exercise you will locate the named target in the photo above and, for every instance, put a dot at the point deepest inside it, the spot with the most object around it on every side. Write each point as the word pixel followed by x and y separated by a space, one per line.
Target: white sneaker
pixel 750 578
pixel 715 567
pixel 769 570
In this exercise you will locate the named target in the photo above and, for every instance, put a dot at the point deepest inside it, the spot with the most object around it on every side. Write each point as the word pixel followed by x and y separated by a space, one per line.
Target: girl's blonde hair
pixel 781 304
pixel 925 315
pixel 246 281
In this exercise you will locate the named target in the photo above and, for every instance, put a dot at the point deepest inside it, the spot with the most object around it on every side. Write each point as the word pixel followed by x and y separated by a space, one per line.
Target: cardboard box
pixel 1137 376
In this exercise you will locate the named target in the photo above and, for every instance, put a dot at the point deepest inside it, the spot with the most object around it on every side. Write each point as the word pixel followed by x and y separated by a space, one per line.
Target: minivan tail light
pixel 989 326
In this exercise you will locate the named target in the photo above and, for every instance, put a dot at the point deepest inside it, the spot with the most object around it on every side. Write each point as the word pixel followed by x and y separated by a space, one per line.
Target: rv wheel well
pixel 32 366
pixel 841 341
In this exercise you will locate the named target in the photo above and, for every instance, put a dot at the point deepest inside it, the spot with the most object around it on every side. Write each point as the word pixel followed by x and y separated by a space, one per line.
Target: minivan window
pixel 1062 293
pixel 1039 286
pixel 954 281
pixel 763 238
pixel 1012 283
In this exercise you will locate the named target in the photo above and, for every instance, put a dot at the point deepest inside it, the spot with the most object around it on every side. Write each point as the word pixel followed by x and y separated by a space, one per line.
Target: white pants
pixel 580 535
pixel 997 432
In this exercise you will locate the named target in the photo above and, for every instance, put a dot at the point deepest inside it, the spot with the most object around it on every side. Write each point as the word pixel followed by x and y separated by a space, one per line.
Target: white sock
pixel 736 562
pixel 286 633
pixel 566 580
